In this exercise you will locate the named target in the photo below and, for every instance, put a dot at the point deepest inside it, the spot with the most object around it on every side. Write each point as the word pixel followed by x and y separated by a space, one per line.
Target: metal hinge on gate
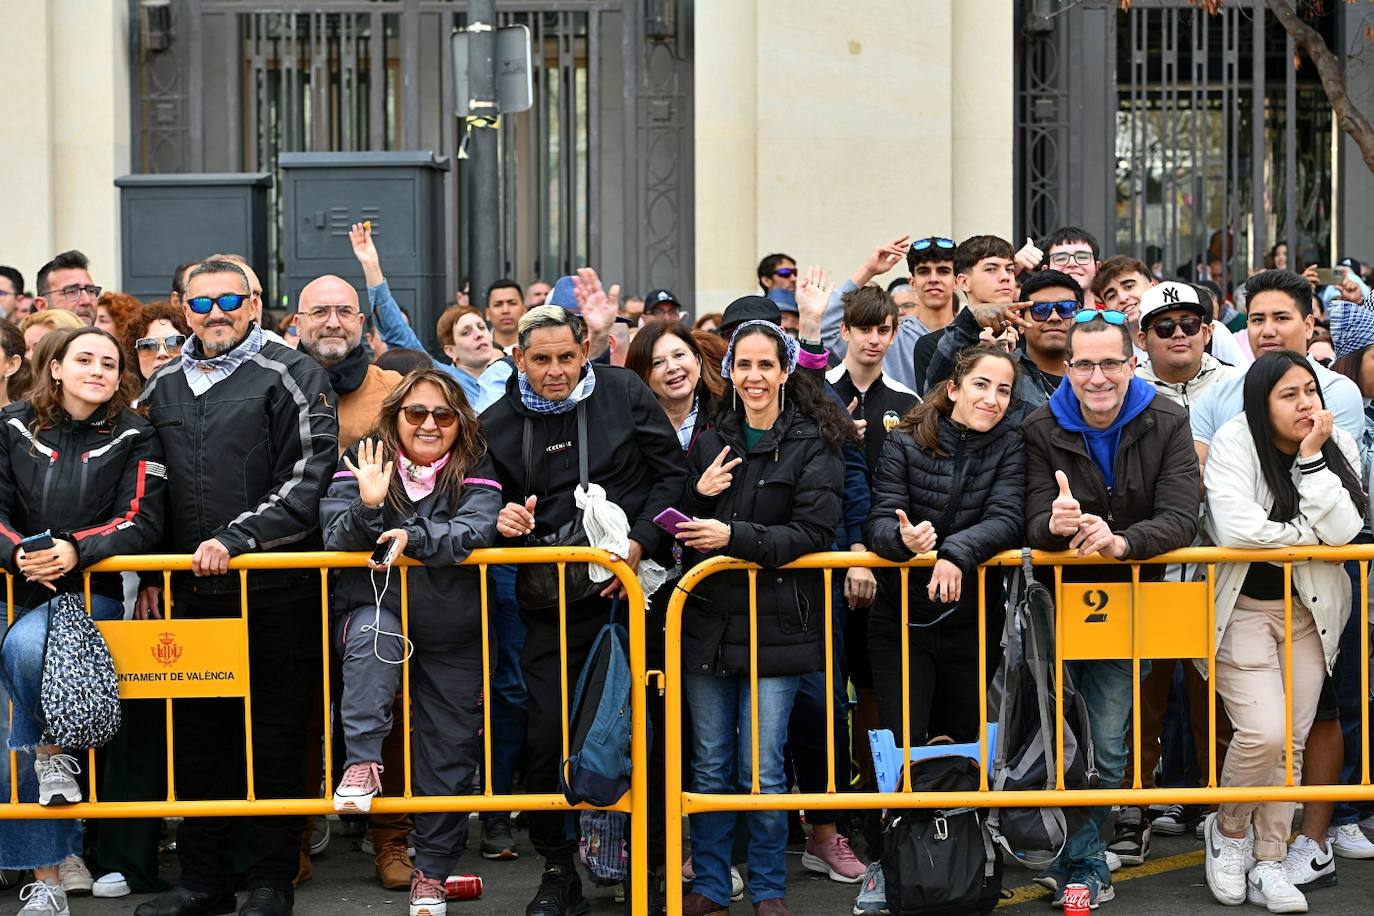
pixel 651 676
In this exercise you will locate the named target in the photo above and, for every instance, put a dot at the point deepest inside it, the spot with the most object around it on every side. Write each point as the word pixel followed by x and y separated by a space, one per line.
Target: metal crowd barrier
pixel 212 661
pixel 1125 620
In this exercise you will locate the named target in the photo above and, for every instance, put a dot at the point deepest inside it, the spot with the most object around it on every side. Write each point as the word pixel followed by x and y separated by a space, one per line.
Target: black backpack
pixel 1025 754
pixel 941 860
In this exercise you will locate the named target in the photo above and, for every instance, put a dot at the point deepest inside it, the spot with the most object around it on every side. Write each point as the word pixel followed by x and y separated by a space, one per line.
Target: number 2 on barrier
pixel 1098 617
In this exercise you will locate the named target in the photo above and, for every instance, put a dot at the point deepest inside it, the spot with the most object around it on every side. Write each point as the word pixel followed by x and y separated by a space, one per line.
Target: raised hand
pixel 716 479
pixel 998 316
pixel 917 538
pixel 860 425
pixel 1065 513
pixel 516 520
pixel 360 237
pixel 1029 257
pixel 373 474
pixel 598 307
pixel 882 259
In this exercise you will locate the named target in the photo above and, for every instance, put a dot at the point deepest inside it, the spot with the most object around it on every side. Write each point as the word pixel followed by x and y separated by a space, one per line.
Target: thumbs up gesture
pixel 516 520
pixel 917 538
pixel 1065 514
pixel 860 425
pixel 1029 257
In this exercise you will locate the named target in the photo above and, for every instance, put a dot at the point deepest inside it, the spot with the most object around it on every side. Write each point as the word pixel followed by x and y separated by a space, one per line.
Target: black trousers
pixel 544 722
pixel 283 660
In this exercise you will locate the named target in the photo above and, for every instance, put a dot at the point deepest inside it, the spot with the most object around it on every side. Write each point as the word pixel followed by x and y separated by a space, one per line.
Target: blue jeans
pixel 33 844
pixel 1106 688
pixel 719 707
pixel 508 698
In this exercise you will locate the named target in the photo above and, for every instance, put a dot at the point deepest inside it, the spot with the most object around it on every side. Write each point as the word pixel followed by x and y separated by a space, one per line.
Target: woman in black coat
pixel 765 486
pixel 951 479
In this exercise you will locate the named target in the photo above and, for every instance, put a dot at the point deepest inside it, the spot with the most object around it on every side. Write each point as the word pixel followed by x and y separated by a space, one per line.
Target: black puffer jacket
pixel 783 503
pixel 973 496
pixel 99 483
pixel 444 600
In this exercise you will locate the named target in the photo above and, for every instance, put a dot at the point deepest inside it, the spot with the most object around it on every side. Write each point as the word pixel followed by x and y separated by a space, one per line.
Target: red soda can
pixel 1076 900
pixel 469 887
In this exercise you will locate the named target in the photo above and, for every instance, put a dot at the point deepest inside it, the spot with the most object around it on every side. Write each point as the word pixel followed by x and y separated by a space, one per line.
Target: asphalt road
pixel 1170 882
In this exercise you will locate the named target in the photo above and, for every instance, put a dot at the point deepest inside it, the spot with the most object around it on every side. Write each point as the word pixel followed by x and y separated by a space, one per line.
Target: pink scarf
pixel 419 479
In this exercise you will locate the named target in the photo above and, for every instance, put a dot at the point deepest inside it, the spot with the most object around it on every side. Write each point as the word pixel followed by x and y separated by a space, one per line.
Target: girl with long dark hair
pixel 1279 475
pixel 765 486
pixel 78 464
pixel 424 484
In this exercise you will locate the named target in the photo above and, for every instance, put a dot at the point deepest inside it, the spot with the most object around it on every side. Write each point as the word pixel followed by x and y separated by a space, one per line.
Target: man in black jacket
pixel 633 453
pixel 250 435
pixel 1109 471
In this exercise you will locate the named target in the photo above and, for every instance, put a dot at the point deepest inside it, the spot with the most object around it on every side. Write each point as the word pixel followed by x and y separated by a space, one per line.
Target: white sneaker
pixel 56 785
pixel 76 877
pixel 1226 861
pixel 1113 861
pixel 1269 887
pixel 1307 867
pixel 1349 842
pixel 42 899
pixel 360 784
pixel 110 885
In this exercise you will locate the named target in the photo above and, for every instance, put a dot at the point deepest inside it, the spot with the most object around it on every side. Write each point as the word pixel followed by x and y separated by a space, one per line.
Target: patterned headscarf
pixel 1352 325
pixel 792 348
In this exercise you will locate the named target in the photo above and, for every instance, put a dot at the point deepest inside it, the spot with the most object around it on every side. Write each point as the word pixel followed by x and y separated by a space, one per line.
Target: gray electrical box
pixel 401 193
pixel 167 220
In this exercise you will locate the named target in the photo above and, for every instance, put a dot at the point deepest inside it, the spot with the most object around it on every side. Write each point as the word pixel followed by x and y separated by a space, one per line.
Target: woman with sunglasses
pixel 155 335
pixel 78 465
pixel 1281 474
pixel 424 487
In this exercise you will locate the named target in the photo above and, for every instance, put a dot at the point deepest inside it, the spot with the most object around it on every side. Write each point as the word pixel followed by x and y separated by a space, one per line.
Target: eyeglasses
pixel 1111 368
pixel 1086 315
pixel 1165 327
pixel 1066 308
pixel 1065 258
pixel 415 415
pixel 937 240
pixel 73 292
pixel 785 272
pixel 171 343
pixel 227 302
pixel 321 312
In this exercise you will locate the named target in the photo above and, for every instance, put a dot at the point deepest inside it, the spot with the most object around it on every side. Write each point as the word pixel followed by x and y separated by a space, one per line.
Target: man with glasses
pixel 11 288
pixel 1049 301
pixel 778 271
pixel 249 430
pixel 1068 249
pixel 1108 472
pixel 65 283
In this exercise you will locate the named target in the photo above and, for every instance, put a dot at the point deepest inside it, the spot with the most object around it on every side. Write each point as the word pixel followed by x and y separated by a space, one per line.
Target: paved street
pixel 1170 882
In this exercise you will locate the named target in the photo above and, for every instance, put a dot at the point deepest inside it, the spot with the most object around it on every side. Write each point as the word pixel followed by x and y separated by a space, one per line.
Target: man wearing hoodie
pixel 1108 472
pixel 1174 334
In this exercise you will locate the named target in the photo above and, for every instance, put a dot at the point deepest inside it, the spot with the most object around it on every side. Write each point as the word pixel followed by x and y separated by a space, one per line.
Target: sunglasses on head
pixel 1165 327
pixel 171 343
pixel 1086 315
pixel 227 302
pixel 937 240
pixel 1066 308
pixel 415 415
pixel 785 272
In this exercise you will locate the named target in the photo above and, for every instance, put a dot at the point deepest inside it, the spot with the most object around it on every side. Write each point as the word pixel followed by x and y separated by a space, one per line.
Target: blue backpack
pixel 597 770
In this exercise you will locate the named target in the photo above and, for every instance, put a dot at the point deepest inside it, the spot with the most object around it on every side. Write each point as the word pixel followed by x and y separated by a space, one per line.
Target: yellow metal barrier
pixel 217 665
pixel 1132 620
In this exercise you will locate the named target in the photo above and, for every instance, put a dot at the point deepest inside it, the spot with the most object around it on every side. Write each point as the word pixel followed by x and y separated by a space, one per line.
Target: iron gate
pixel 1153 128
pixel 598 172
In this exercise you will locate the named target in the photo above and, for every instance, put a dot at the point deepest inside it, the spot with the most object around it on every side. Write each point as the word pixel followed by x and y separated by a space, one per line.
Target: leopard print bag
pixel 79 695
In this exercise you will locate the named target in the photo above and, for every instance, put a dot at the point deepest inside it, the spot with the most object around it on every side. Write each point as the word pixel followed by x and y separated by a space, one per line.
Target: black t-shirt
pixel 922 355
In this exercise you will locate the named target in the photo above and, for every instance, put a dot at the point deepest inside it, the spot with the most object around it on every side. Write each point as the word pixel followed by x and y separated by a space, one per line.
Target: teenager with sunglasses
pixel 249 429
pixel 423 484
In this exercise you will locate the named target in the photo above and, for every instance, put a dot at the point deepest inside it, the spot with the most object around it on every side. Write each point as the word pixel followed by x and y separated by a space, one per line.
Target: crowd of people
pixel 989 399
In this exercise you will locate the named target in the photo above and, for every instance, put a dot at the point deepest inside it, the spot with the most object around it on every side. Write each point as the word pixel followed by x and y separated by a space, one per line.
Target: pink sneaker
pixel 427 896
pixel 835 858
pixel 361 781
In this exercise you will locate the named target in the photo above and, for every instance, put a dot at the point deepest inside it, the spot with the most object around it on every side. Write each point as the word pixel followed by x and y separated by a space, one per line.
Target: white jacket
pixel 1237 516
pixel 1183 394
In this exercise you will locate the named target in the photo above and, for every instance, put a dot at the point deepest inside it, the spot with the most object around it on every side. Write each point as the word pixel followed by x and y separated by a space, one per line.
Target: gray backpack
pixel 79 695
pixel 1025 752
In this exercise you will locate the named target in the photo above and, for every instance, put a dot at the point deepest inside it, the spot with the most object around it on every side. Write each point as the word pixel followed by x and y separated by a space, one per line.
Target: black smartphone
pixel 36 542
pixel 384 553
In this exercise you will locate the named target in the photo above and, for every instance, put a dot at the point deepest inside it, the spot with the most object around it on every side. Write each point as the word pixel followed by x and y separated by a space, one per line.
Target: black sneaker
pixel 559 894
pixel 498 842
pixel 1176 820
pixel 1132 840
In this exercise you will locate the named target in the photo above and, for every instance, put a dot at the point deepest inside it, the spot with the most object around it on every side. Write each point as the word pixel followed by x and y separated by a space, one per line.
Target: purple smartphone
pixel 669 520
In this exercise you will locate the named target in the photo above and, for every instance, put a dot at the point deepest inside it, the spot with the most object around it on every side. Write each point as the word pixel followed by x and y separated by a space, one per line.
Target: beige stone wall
pixel 826 126
pixel 66 132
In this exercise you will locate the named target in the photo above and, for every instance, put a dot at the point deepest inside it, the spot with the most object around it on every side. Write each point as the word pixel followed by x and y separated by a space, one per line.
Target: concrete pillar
pixel 26 181
pixel 983 116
